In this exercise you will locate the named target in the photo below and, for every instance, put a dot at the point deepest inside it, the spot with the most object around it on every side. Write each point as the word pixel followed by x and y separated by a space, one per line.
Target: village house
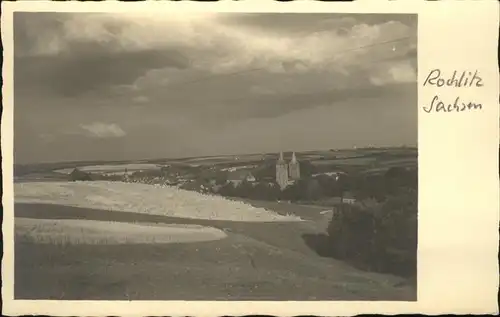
pixel 347 198
pixel 238 176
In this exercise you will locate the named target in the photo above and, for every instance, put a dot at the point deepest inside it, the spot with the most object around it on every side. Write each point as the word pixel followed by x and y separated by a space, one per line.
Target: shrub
pixel 266 171
pixel 258 191
pixel 78 175
pixel 221 179
pixel 381 238
pixel 228 190
pixel 147 174
pixel 266 191
pixel 292 193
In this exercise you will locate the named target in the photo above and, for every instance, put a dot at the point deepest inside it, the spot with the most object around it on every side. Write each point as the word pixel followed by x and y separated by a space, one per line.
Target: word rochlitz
pixel 466 79
pixel 462 80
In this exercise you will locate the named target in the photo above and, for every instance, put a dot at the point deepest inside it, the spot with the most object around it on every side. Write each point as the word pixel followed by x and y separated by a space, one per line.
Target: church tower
pixel 281 172
pixel 294 168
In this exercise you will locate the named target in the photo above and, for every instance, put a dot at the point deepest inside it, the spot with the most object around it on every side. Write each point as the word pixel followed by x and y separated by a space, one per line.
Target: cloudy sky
pixel 124 86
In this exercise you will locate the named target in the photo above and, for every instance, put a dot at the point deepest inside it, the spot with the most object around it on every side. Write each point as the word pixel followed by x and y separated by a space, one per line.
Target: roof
pixel 239 175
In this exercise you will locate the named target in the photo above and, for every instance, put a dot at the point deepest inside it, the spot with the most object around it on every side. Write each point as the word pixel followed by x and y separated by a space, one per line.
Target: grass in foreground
pixel 257 261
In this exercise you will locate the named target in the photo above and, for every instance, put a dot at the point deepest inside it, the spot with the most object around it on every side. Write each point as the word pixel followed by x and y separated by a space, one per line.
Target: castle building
pixel 287 173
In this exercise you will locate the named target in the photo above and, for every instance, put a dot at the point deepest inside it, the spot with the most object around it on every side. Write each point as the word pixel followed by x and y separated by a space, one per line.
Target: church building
pixel 294 168
pixel 286 174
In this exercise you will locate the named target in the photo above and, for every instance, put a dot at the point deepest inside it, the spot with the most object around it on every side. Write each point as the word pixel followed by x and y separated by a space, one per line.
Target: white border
pixel 458 167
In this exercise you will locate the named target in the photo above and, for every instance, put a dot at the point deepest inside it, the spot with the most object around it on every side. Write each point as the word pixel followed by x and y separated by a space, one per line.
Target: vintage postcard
pixel 250 157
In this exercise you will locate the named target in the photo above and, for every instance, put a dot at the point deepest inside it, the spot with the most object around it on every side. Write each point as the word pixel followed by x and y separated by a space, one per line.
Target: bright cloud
pixel 212 45
pixel 103 130
pixel 396 73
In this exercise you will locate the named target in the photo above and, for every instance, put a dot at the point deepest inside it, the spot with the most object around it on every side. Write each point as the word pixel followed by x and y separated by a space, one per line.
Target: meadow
pixel 256 261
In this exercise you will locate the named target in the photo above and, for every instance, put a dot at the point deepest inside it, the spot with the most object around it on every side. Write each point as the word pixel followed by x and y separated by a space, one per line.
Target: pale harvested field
pixel 111 168
pixel 144 199
pixel 94 232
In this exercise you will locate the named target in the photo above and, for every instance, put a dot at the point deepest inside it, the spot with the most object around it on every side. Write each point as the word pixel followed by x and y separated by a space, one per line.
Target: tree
pixel 228 190
pixel 396 173
pixel 292 192
pixel 382 237
pixel 266 171
pixel 307 169
pixel 245 189
pixel 329 186
pixel 342 183
pixel 369 187
pixel 220 179
pixel 399 178
pixel 265 191
pixel 313 190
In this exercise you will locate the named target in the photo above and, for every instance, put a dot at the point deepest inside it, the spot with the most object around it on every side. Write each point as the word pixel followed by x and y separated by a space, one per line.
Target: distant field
pixel 381 158
pixel 311 156
pixel 332 154
pixel 243 163
pixel 399 162
pixel 238 168
pixel 217 159
pixel 133 167
pixel 346 161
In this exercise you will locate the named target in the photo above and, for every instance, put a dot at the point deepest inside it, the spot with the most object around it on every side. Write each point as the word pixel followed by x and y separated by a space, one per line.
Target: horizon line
pixel 220 155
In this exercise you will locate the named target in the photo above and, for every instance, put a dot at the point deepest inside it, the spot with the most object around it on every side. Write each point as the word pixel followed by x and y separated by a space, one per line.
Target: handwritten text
pixel 463 79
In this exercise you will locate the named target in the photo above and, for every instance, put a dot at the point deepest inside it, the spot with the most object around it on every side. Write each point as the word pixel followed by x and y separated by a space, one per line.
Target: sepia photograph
pixel 215 156
pixel 168 158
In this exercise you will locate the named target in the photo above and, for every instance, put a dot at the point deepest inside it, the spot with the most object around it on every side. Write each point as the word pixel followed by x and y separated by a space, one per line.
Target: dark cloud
pixel 313 22
pixel 83 65
pixel 271 106
pixel 91 68
pixel 235 100
pixel 281 22
pixel 32 28
pixel 377 18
